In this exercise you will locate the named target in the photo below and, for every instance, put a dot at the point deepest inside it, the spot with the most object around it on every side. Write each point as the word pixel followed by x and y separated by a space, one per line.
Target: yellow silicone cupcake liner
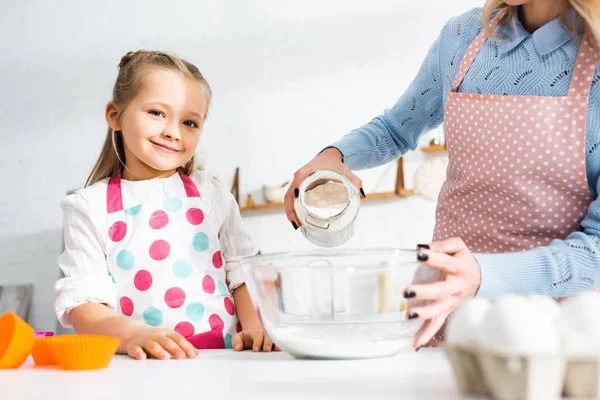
pixel 16 341
pixel 81 352
pixel 41 351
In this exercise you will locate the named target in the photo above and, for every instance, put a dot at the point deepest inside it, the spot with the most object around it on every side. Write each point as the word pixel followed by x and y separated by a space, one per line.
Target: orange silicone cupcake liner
pixel 82 352
pixel 16 341
pixel 42 355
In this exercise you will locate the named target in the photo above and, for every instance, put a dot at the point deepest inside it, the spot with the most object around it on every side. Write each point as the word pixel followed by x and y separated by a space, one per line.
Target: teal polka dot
pixel 195 312
pixel 222 288
pixel 133 210
pixel 172 205
pixel 125 259
pixel 182 268
pixel 200 242
pixel 112 277
pixel 153 316
pixel 228 339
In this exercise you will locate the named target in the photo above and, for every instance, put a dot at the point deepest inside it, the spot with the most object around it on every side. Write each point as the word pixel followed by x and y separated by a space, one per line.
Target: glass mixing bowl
pixel 335 304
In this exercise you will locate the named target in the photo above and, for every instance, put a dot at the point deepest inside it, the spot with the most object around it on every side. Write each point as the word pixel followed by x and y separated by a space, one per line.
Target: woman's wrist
pixel 332 152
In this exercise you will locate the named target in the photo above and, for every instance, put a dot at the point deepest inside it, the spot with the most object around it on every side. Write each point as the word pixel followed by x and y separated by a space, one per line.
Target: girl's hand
pixel 330 158
pixel 460 281
pixel 255 339
pixel 159 343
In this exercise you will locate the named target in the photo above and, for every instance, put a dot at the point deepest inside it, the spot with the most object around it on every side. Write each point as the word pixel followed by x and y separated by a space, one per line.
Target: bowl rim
pixel 255 260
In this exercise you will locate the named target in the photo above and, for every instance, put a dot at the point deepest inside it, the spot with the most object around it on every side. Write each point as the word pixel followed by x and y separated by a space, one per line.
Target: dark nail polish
pixel 295 226
pixel 296 192
pixel 409 294
pixel 413 315
pixel 363 193
pixel 422 257
pixel 422 246
pixel 418 348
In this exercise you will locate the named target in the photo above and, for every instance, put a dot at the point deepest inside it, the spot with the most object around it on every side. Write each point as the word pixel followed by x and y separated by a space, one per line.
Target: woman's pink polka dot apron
pixel 164 257
pixel 516 177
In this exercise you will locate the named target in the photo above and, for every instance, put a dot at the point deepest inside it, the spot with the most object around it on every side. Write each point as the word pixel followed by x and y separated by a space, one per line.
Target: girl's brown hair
pixel 134 66
pixel 588 13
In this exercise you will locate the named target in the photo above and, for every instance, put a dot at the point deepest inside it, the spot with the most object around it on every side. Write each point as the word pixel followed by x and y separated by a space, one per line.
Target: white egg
pixel 514 324
pixel 465 321
pixel 547 306
pixel 580 323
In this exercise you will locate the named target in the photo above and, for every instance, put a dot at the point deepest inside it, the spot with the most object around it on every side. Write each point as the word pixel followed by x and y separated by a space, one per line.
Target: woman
pixel 516 86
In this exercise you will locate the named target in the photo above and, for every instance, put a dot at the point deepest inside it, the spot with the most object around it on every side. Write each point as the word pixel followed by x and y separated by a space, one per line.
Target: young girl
pixel 152 247
pixel 517 87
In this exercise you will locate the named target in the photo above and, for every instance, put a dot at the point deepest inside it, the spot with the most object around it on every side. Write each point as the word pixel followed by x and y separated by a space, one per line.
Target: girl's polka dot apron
pixel 516 177
pixel 164 257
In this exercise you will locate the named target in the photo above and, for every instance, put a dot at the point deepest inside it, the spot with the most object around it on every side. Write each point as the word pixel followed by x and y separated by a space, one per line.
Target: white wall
pixel 288 77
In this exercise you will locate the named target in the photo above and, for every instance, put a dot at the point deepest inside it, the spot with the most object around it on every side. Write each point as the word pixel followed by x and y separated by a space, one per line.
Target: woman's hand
pixel 460 281
pixel 159 343
pixel 255 339
pixel 330 158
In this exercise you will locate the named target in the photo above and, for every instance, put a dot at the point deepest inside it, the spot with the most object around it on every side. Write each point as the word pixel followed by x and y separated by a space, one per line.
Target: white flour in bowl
pixel 327 200
pixel 343 342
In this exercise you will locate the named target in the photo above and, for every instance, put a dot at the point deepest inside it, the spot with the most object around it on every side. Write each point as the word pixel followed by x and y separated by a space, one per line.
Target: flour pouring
pixel 327 206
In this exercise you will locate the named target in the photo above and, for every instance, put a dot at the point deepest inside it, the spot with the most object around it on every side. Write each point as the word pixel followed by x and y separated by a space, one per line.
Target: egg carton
pixel 503 376
pixel 467 369
pixel 582 377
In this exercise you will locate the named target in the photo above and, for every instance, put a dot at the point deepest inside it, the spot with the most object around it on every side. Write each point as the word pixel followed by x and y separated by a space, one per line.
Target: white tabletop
pixel 222 374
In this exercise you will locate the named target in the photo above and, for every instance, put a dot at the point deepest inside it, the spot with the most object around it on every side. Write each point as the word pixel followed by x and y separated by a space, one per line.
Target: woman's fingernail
pixel 418 348
pixel 295 226
pixel 422 246
pixel 191 354
pixel 422 257
pixel 363 193
pixel 413 315
pixel 296 192
pixel 409 294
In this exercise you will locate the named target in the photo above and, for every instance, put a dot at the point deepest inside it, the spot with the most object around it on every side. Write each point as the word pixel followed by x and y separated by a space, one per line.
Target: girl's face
pixel 161 125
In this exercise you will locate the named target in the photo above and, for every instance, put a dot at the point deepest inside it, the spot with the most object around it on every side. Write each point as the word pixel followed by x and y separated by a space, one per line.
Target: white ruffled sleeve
pixel 83 261
pixel 236 243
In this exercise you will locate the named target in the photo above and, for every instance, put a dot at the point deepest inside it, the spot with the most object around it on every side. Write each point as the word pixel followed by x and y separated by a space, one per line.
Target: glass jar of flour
pixel 327 206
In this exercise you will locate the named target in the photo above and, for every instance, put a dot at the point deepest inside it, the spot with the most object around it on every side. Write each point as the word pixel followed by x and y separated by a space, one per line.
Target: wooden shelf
pixel 434 148
pixel 262 207
pixel 370 196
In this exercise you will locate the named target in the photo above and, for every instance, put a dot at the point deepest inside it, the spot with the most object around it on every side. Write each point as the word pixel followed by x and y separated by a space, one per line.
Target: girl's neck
pixel 142 173
pixel 537 13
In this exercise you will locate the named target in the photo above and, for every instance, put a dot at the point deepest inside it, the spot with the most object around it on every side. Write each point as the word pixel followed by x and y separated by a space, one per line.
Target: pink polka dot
pixel 217 259
pixel 126 306
pixel 216 322
pixel 175 297
pixel 195 216
pixel 229 306
pixel 238 327
pixel 208 284
pixel 159 250
pixel 159 219
pixel 142 280
pixel 185 329
pixel 117 231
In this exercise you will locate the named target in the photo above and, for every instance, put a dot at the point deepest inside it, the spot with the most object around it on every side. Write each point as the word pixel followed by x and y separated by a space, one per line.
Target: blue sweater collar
pixel 546 39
